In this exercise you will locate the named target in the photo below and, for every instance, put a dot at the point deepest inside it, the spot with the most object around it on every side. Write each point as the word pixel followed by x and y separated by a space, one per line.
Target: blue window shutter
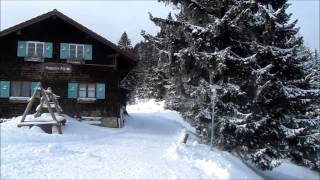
pixel 87 52
pixel 4 89
pixel 72 90
pixel 64 51
pixel 22 49
pixel 100 91
pixel 33 87
pixel 47 50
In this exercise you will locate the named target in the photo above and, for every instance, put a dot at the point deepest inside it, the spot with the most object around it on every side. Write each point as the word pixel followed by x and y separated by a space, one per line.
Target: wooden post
pixel 56 103
pixel 55 127
pixel 38 113
pixel 45 97
pixel 212 114
pixel 185 139
pixel 30 103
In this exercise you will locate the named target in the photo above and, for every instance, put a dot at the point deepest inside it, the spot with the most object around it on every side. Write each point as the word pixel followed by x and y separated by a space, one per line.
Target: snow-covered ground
pixel 148 147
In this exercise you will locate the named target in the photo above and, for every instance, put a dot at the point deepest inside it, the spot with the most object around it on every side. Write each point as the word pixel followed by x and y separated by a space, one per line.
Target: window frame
pixel 20 84
pixel 15 90
pixel 86 85
pixel 76 51
pixel 25 88
pixel 85 90
pixel 94 90
pixel 36 43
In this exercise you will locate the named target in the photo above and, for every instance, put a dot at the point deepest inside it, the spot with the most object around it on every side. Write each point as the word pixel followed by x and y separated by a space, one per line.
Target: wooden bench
pixel 48 100
pixel 91 120
pixel 55 126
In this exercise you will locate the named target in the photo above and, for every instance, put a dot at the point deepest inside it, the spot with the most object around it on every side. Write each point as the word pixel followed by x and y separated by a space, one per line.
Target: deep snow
pixel 149 146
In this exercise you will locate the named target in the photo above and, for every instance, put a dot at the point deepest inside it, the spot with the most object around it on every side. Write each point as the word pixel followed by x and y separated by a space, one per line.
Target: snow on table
pixel 44 117
pixel 148 147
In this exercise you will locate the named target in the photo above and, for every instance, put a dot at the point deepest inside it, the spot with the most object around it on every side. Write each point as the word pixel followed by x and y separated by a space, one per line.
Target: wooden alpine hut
pixel 83 68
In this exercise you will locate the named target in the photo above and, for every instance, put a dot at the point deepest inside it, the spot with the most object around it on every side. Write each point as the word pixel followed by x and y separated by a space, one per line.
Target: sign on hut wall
pixel 33 70
pixel 56 68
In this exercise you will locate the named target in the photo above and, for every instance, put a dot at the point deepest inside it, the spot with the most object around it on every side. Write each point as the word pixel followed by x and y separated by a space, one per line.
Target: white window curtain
pixel 82 90
pixel 91 90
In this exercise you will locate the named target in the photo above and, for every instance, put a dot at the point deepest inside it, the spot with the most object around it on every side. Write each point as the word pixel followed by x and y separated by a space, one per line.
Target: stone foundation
pixel 111 122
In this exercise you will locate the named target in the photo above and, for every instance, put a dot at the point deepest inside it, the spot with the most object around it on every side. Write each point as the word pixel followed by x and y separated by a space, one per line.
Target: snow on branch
pixel 260 88
pixel 293 92
pixel 161 22
pixel 201 6
pixel 244 126
pixel 156 40
pixel 281 10
pixel 275 51
pixel 292 133
pixel 262 71
pixel 268 10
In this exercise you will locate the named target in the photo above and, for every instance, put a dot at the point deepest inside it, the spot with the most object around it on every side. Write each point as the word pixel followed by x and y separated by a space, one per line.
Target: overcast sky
pixel 111 18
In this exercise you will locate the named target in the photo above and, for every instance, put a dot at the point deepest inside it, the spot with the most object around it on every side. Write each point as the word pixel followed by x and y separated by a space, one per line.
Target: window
pixel 80 51
pixel 31 49
pixel 20 88
pixel 83 90
pixel 39 50
pixel 35 49
pixel 91 90
pixel 15 88
pixel 87 90
pixel 73 54
pixel 76 51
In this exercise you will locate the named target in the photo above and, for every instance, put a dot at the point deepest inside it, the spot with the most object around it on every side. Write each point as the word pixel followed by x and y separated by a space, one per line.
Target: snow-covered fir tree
pixel 145 72
pixel 250 53
pixel 130 81
pixel 125 42
pixel 152 80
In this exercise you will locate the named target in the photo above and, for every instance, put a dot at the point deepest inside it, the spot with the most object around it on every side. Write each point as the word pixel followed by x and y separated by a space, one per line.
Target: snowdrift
pixel 148 147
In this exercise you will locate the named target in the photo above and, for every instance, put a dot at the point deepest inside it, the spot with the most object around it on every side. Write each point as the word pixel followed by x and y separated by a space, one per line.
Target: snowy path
pixel 149 146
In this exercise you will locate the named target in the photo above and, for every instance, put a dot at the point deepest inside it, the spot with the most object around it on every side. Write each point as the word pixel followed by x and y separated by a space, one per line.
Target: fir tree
pixel 125 42
pixel 250 53
pixel 152 79
pixel 146 75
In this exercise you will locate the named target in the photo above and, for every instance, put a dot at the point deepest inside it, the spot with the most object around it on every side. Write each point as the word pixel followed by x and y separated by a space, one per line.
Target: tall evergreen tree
pixel 152 80
pixel 146 75
pixel 125 42
pixel 250 53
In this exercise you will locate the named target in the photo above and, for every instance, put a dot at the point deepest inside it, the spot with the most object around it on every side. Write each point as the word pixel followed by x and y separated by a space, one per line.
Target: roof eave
pixel 73 23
